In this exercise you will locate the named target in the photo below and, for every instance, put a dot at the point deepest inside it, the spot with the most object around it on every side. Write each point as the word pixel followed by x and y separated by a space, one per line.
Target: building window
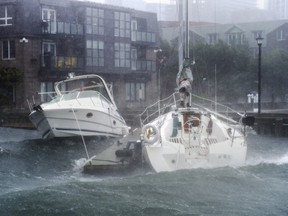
pixel 47 91
pixel 280 35
pixel 122 24
pixel 236 38
pixel 94 21
pixel 48 54
pixel 133 58
pixel 134 29
pixel 5 16
pixel 8 49
pixel 94 53
pixel 256 34
pixel 135 91
pixel 49 19
pixel 122 53
pixel 212 39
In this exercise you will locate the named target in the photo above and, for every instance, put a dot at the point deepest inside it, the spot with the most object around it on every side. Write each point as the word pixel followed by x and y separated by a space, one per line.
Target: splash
pixel 78 164
pixel 278 160
pixel 282 160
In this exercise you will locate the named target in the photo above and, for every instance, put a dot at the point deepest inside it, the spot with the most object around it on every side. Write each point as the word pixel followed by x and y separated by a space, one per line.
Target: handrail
pixel 155 110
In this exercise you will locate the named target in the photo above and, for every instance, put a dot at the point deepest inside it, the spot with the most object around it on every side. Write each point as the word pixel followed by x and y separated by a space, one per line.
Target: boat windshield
pixel 86 84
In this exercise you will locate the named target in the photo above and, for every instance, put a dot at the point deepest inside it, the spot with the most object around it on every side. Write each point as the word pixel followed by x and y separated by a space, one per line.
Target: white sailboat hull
pixel 188 147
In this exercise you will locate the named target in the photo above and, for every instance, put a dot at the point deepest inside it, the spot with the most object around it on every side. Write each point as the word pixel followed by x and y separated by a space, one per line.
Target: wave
pixel 275 159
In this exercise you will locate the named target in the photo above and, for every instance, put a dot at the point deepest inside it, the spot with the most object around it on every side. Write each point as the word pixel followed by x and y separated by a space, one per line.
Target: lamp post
pixel 23 41
pixel 259 40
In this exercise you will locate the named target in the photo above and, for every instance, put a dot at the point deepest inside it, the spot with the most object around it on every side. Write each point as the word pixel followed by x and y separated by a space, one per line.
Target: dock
pixel 271 123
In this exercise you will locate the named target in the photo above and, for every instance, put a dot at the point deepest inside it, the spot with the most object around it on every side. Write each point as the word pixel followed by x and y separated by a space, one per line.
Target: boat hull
pixel 190 139
pixel 78 122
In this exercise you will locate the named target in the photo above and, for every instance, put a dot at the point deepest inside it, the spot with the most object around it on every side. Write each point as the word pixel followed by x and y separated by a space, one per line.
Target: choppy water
pixel 44 178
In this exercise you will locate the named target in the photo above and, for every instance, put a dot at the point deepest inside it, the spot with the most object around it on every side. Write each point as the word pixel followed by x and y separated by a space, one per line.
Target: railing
pixel 143 36
pixel 163 106
pixel 143 65
pixel 49 61
pixel 56 27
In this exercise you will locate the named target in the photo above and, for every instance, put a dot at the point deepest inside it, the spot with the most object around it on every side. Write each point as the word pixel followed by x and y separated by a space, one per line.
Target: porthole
pixel 89 115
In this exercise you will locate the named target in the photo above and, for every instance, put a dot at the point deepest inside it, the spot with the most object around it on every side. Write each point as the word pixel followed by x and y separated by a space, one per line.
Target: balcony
pixel 61 62
pixel 55 27
pixel 147 37
pixel 143 65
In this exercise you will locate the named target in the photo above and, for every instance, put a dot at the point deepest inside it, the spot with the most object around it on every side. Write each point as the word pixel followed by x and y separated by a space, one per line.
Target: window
pixel 236 38
pixel 280 35
pixel 133 58
pixel 212 39
pixel 94 21
pixel 49 17
pixel 134 29
pixel 5 16
pixel 135 91
pixel 8 49
pixel 122 24
pixel 94 53
pixel 122 53
pixel 47 93
pixel 48 54
pixel 256 34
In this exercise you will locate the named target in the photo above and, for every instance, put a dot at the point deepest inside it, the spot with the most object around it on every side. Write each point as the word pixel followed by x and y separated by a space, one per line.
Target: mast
pixel 186 30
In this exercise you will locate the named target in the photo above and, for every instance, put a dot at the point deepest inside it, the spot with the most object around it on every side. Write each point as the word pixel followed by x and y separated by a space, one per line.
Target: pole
pixel 187 31
pixel 215 70
pixel 259 79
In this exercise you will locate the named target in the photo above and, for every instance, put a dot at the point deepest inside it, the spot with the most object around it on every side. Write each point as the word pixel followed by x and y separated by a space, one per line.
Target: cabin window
pixel 8 49
pixel 135 91
pixel 6 16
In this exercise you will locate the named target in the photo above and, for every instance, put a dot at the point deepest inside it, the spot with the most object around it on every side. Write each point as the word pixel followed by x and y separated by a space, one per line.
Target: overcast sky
pixel 260 2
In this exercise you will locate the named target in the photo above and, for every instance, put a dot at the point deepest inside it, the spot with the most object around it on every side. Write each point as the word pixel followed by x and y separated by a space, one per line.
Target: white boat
pixel 83 106
pixel 192 137
pixel 184 134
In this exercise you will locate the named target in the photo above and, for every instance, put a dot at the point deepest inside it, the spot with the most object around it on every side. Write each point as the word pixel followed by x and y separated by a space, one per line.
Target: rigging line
pixel 80 133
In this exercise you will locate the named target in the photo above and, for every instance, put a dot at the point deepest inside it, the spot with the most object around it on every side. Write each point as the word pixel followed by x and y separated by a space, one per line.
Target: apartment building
pixel 44 40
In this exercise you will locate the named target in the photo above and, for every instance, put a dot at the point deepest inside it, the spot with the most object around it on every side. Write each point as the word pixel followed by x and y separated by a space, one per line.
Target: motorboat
pixel 192 137
pixel 83 106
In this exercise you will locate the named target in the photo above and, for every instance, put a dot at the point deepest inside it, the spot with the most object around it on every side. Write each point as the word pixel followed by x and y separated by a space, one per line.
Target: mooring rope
pixel 83 140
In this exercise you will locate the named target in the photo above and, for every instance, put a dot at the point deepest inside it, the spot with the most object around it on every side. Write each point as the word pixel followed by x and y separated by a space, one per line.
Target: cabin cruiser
pixel 83 106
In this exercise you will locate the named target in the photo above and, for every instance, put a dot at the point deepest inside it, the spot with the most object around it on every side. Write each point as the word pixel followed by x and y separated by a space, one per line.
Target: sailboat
pixel 185 134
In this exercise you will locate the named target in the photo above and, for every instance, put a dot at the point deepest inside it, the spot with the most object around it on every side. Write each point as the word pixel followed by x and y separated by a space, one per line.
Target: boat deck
pixel 122 157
